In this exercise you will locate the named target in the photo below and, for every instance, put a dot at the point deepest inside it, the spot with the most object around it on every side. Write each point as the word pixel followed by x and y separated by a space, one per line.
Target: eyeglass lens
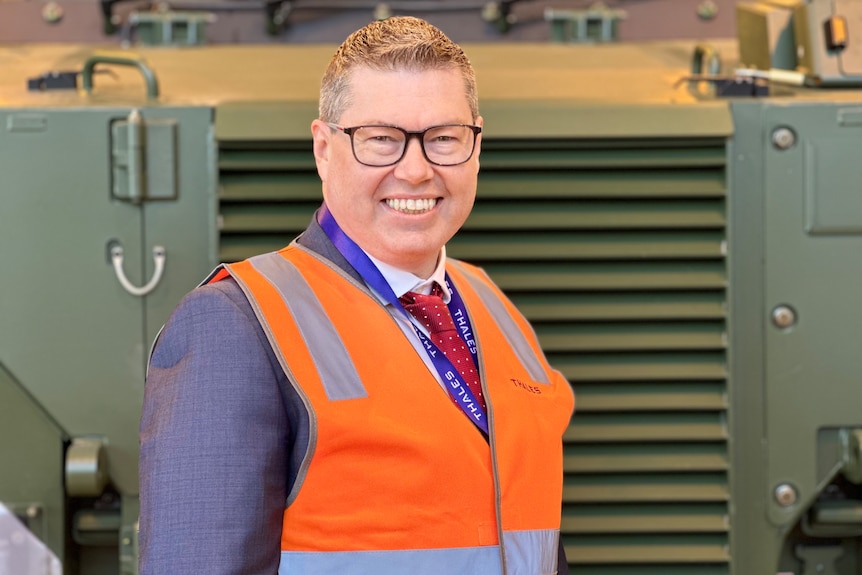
pixel 384 145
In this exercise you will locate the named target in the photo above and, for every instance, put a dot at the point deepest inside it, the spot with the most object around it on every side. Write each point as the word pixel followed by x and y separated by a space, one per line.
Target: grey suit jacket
pixel 222 433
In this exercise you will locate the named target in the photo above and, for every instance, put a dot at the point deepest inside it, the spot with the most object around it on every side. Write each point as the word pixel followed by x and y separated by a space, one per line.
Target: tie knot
pixel 430 310
pixel 414 297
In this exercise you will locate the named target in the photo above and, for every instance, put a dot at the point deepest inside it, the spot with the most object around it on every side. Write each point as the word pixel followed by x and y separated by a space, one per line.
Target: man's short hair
pixel 398 43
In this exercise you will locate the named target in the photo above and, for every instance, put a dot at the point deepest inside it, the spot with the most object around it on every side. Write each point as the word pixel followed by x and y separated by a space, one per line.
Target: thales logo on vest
pixel 526 387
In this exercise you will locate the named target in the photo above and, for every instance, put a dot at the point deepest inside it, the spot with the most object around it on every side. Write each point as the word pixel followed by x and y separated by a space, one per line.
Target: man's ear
pixel 320 135
pixel 480 121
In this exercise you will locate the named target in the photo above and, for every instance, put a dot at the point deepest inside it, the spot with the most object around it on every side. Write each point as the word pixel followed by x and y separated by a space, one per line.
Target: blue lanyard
pixel 452 380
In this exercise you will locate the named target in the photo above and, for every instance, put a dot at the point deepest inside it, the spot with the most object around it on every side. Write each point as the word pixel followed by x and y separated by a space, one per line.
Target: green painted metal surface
pixel 76 333
pixel 74 338
pixel 797 384
pixel 32 446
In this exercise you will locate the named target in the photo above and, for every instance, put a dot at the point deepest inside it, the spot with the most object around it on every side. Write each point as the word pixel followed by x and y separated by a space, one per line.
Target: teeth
pixel 412 206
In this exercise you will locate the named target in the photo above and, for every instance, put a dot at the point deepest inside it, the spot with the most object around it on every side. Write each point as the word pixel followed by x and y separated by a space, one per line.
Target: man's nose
pixel 413 165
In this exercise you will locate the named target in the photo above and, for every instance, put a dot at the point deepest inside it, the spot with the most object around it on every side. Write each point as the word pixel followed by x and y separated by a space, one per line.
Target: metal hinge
pixel 143 159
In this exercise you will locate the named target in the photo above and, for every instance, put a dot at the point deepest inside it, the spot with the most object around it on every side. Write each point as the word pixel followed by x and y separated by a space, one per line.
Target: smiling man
pixel 358 403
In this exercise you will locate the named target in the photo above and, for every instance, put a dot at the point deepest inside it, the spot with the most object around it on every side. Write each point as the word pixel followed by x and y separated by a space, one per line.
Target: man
pixel 299 419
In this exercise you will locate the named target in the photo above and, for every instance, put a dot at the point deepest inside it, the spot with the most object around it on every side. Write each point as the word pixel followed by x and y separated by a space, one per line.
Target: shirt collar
pixel 402 281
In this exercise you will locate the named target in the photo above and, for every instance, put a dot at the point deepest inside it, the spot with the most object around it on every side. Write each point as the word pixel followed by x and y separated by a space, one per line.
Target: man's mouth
pixel 412 206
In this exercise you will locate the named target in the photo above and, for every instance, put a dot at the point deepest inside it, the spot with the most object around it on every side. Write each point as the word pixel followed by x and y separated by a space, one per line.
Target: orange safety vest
pixel 396 479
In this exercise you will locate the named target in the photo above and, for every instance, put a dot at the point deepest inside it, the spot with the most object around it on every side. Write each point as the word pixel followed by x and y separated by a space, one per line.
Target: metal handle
pixel 159 256
pixel 120 60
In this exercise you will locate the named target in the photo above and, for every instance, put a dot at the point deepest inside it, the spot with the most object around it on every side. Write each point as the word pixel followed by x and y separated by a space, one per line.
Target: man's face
pixel 361 198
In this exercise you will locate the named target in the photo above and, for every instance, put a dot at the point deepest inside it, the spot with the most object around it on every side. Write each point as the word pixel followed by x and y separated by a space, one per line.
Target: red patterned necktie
pixel 433 313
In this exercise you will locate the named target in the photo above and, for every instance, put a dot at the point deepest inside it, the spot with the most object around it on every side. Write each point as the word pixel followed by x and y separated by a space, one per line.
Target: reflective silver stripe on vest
pixel 507 325
pixel 458 561
pixel 531 552
pixel 213 274
pixel 337 371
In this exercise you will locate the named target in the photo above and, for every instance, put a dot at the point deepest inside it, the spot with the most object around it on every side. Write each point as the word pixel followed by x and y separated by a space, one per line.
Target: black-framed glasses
pixel 379 146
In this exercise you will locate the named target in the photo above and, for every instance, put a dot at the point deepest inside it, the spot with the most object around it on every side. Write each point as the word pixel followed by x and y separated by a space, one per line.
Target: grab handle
pixel 120 60
pixel 159 255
